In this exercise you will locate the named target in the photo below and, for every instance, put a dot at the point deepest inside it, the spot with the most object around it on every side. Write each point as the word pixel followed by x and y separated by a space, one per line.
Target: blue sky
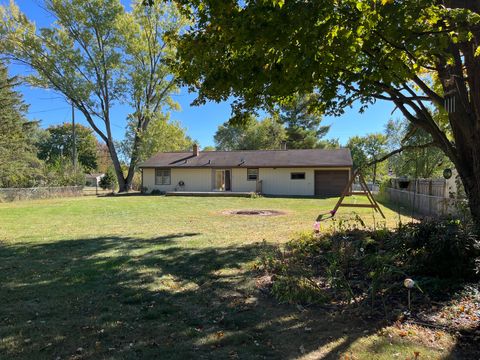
pixel 201 122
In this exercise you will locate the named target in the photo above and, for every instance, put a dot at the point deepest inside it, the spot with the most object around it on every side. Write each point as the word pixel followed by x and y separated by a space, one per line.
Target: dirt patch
pixel 254 212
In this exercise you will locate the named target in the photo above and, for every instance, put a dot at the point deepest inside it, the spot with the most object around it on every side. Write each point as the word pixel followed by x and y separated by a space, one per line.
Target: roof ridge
pixel 248 150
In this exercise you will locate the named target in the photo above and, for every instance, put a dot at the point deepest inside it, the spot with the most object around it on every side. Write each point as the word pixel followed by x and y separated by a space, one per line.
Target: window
pixel 162 176
pixel 252 174
pixel 297 176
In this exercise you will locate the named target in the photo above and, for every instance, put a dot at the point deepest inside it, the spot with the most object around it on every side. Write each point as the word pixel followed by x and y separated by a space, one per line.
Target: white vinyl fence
pixel 374 188
pixel 14 194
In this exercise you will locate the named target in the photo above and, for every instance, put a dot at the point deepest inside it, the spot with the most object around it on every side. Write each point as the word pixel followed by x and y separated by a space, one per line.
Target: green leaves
pixel 58 144
pixel 19 166
pixel 266 134
pixel 261 52
pixel 99 55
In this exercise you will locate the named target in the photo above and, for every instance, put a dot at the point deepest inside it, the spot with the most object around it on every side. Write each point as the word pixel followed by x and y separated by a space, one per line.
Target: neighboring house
pixel 93 179
pixel 312 172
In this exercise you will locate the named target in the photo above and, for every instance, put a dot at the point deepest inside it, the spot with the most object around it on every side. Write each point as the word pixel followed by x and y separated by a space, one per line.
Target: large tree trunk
pixel 122 184
pixel 133 162
pixel 468 167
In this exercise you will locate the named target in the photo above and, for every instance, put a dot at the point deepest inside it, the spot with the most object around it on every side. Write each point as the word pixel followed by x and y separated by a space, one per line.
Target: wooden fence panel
pixel 421 204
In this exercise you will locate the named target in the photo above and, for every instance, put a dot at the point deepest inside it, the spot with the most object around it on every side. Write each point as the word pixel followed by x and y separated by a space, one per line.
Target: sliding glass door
pixel 222 180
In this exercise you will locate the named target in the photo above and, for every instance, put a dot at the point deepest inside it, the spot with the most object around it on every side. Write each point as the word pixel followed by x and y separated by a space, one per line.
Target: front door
pixel 222 180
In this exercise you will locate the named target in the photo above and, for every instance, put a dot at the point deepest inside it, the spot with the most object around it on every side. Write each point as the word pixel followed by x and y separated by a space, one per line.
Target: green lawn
pixel 168 278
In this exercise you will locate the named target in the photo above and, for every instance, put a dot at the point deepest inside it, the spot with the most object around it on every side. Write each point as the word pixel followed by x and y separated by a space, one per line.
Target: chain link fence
pixel 15 194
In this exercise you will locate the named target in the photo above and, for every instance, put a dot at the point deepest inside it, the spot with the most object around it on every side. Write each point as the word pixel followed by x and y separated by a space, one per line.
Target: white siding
pixel 276 181
pixel 194 179
pixel 240 182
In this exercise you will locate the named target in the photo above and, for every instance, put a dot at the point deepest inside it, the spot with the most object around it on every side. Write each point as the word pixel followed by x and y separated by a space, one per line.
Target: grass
pixel 169 277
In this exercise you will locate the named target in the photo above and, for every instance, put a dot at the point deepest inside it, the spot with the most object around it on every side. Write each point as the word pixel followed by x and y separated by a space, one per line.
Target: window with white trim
pixel 252 174
pixel 297 176
pixel 162 176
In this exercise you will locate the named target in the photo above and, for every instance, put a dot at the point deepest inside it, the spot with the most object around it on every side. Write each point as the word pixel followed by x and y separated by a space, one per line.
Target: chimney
pixel 195 150
pixel 284 145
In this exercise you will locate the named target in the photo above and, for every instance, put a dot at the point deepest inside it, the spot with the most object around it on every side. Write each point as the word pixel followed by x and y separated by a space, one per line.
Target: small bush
pixel 443 248
pixel 157 192
pixel 109 180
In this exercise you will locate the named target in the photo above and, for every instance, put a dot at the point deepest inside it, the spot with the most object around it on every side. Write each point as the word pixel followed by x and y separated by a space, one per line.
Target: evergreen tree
pixel 303 123
pixel 109 180
pixel 266 134
pixel 19 165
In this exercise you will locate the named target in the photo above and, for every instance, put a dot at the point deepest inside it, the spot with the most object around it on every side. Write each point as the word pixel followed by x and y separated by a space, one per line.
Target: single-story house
pixel 93 179
pixel 310 172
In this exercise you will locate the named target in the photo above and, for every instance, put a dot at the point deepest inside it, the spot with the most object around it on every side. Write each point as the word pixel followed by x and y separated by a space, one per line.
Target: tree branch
pixel 403 148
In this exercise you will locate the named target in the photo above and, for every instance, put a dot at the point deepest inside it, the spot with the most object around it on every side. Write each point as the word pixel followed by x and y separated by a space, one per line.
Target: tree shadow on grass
pixel 130 298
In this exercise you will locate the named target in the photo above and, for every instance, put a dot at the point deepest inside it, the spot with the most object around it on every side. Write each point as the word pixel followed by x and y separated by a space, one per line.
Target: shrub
pixel 353 264
pixel 157 192
pixel 439 247
pixel 109 180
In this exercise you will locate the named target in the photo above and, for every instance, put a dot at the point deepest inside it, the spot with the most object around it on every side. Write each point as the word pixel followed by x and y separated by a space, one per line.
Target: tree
pixel 267 134
pixel 19 165
pixel 104 162
pixel 58 144
pixel 108 181
pixel 366 150
pixel 414 161
pixel 302 122
pixel 162 134
pixel 96 55
pixel 329 144
pixel 415 54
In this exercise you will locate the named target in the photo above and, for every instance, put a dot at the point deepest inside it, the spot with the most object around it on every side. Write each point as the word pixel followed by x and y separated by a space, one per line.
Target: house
pixel 311 172
pixel 93 179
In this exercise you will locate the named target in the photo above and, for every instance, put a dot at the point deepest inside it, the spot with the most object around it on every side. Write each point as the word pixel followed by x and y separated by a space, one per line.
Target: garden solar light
pixel 409 284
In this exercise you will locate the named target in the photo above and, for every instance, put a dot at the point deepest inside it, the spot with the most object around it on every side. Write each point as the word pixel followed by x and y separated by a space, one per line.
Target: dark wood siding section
pixel 330 182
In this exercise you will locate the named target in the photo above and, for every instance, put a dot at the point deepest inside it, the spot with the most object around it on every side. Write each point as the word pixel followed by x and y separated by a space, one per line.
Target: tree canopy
pixel 414 161
pixel 267 134
pixel 98 55
pixel 416 54
pixel 58 143
pixel 302 123
pixel 366 150
pixel 19 166
pixel 162 134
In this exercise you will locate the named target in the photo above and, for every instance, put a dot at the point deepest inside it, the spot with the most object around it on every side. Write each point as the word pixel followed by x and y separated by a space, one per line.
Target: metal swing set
pixel 348 191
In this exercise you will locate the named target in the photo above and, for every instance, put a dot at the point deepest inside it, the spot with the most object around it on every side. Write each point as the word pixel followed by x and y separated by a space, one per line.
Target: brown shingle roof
pixel 252 158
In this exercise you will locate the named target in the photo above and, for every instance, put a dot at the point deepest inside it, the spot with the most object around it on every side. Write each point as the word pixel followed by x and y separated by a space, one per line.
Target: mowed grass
pixel 170 278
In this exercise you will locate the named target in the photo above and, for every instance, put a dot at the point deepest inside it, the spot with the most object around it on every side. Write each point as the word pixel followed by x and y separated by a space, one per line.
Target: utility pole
pixel 74 143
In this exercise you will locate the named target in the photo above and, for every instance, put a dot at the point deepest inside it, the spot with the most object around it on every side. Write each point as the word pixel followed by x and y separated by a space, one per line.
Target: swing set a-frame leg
pixel 370 195
pixel 345 192
pixel 366 191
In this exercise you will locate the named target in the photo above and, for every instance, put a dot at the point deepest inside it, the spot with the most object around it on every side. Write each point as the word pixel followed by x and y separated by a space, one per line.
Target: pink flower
pixel 316 226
